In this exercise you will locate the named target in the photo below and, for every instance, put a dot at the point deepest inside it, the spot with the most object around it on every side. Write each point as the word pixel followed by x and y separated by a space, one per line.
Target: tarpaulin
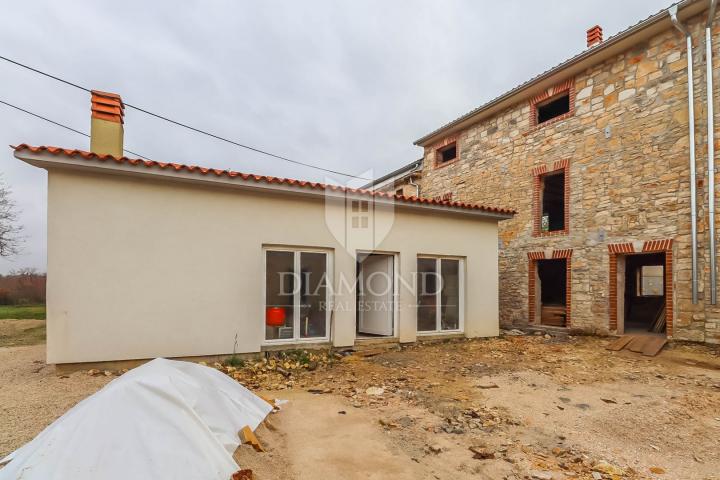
pixel 164 419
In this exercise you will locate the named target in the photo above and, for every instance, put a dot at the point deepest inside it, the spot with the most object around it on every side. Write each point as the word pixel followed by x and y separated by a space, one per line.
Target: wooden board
pixel 620 343
pixel 653 346
pixel 553 315
pixel 649 345
pixel 638 343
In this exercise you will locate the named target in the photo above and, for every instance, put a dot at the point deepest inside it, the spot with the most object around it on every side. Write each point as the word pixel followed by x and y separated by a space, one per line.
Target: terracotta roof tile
pixel 256 178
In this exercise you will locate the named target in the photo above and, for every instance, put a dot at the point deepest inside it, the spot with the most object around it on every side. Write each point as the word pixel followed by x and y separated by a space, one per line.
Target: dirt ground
pixel 21 332
pixel 514 407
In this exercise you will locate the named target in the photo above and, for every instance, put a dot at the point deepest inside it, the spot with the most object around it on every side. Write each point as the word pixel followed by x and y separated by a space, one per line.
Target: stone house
pixel 595 155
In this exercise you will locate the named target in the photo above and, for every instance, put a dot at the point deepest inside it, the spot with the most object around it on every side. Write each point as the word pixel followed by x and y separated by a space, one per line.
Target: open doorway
pixel 641 286
pixel 376 295
pixel 551 295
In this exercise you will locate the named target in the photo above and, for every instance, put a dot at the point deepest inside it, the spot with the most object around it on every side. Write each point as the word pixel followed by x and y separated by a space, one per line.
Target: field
pixel 22 312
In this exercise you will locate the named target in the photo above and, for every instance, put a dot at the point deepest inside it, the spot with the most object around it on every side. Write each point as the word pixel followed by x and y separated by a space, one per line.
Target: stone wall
pixel 626 145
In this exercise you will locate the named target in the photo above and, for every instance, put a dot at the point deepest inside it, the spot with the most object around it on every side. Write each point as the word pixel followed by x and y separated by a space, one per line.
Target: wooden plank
pixel 553 315
pixel 620 343
pixel 654 346
pixel 638 343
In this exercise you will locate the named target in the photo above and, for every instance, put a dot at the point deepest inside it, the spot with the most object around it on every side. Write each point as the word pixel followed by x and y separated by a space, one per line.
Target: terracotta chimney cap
pixel 594 36
pixel 107 106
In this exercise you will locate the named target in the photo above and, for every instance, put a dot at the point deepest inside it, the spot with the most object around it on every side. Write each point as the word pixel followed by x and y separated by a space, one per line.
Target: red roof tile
pixel 136 162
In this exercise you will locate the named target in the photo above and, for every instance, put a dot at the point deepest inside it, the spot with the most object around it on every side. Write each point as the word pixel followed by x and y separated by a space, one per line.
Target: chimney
pixel 594 36
pixel 106 124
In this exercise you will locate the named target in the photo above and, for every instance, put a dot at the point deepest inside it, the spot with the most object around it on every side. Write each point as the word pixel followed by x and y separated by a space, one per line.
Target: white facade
pixel 148 262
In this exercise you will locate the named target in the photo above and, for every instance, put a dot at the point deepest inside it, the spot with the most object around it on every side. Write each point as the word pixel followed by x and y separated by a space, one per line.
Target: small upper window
pixel 553 108
pixel 446 154
pixel 399 191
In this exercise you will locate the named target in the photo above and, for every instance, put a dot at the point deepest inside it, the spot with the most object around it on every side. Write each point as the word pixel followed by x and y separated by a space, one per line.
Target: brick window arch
pixel 556 92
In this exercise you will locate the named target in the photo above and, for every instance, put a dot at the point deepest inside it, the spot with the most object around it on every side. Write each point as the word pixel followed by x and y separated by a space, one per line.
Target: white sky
pixel 346 85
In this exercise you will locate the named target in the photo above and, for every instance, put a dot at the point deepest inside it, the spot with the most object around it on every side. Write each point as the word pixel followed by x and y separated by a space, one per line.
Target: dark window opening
pixel 645 293
pixel 553 202
pixel 399 191
pixel 447 154
pixel 553 108
pixel 552 275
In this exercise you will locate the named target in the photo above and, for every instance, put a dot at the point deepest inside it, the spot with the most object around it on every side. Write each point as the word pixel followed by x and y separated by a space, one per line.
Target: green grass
pixel 22 312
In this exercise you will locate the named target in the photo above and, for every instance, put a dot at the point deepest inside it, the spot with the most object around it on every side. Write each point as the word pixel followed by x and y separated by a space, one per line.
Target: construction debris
pixel 244 474
pixel 276 372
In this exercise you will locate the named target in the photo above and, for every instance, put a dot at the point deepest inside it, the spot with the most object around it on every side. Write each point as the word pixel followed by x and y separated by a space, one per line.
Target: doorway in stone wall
pixel 641 293
pixel 551 291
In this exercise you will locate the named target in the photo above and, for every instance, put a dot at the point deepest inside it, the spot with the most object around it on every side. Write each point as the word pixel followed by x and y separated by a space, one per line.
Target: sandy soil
pixel 534 407
pixel 32 396
pixel 555 408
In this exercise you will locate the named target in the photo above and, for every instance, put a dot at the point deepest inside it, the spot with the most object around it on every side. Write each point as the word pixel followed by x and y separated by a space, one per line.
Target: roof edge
pixel 54 157
pixel 591 56
pixel 402 170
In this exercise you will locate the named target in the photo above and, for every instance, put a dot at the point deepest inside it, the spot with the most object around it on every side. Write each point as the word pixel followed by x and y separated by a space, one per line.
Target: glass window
pixel 296 292
pixel 279 294
pixel 450 295
pixel 313 294
pixel 439 294
pixel 427 295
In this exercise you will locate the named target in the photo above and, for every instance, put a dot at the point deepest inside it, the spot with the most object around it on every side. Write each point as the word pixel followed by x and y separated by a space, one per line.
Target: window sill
pixel 552 121
pixel 554 233
pixel 445 164
pixel 430 333
pixel 294 341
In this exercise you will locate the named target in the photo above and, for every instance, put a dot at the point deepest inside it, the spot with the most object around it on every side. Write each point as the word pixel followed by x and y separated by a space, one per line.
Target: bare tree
pixel 10 239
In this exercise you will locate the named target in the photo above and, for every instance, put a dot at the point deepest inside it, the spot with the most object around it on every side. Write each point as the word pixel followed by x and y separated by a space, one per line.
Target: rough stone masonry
pixel 624 145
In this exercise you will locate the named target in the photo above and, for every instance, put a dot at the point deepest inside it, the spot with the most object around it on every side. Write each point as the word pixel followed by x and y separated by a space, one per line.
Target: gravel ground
pixel 32 396
pixel 506 408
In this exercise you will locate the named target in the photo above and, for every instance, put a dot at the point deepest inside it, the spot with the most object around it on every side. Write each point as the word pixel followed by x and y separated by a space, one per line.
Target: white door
pixel 377 291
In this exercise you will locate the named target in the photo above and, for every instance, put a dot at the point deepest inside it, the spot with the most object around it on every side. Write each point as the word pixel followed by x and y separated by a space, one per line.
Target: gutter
pixel 711 150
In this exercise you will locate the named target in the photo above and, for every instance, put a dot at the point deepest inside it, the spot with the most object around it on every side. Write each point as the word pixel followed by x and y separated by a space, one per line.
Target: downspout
pixel 672 11
pixel 417 187
pixel 711 150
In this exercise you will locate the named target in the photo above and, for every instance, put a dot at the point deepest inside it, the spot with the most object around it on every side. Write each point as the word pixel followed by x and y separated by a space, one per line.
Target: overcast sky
pixel 346 85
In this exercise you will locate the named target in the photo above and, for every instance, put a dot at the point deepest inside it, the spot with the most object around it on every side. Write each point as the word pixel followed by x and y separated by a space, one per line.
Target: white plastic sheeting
pixel 165 419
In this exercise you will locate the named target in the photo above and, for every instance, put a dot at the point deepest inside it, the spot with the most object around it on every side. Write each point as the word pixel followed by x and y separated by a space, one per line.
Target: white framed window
pixel 297 294
pixel 440 294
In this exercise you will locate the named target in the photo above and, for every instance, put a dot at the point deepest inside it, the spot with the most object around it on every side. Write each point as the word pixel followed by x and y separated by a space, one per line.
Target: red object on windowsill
pixel 275 317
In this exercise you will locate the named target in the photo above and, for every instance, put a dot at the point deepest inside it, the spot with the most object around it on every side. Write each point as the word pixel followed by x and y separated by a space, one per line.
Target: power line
pixel 61 125
pixel 186 126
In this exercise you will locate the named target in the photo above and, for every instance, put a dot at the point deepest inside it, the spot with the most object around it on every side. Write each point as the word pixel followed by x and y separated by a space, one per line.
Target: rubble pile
pixel 277 371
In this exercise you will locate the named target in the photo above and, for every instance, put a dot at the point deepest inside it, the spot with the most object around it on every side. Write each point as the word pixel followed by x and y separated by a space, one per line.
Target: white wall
pixel 139 268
